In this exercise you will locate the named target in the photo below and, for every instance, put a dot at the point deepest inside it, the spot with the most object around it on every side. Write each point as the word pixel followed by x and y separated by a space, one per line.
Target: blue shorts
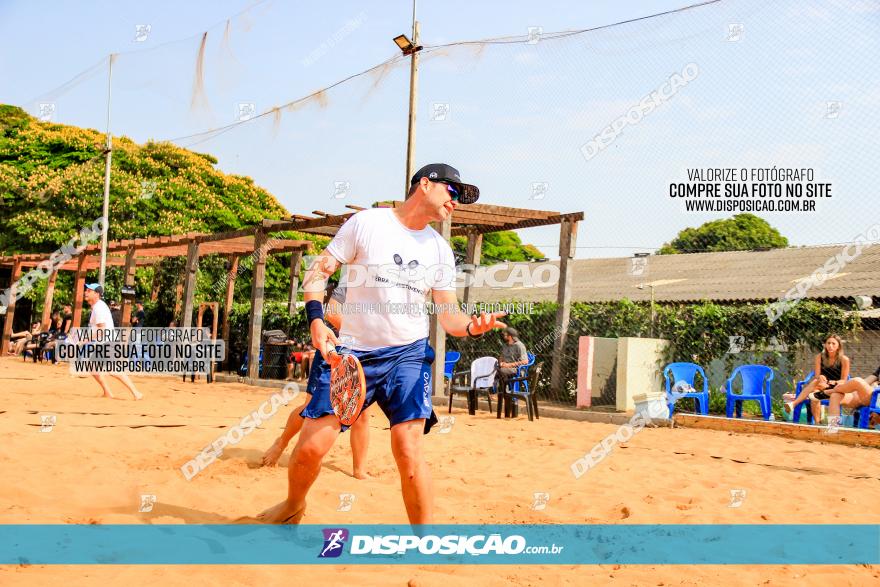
pixel 398 379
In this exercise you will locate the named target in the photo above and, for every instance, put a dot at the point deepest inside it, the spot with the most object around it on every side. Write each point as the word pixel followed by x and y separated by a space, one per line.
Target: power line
pixel 514 39
pixel 217 131
pixel 211 133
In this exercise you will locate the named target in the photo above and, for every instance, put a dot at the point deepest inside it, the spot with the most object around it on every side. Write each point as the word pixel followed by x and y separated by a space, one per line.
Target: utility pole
pixel 109 155
pixel 413 92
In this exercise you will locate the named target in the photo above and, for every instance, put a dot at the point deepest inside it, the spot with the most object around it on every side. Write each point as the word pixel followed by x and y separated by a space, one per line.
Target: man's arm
pixel 455 322
pixel 314 285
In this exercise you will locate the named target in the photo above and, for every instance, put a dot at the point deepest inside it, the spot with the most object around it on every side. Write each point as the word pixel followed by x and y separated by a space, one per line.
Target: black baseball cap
pixel 441 172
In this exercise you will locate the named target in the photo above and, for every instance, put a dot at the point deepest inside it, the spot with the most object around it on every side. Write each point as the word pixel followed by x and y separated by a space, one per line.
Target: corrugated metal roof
pixel 725 276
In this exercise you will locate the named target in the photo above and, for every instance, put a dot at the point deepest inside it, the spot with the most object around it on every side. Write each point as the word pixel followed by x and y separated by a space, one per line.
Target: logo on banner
pixel 334 541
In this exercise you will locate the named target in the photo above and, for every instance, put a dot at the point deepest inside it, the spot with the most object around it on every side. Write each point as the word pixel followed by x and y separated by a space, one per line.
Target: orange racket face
pixel 348 389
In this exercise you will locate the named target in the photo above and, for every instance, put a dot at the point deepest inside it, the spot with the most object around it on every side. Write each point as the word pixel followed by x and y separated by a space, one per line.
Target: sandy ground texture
pixel 102 454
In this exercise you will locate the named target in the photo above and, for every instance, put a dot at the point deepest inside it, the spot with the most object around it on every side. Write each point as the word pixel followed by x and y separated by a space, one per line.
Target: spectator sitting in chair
pixel 853 393
pixel 54 333
pixel 513 356
pixel 24 337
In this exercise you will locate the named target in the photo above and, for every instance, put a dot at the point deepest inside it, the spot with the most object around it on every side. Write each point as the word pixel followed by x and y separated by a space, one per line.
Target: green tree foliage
pixel 498 247
pixel 52 182
pixel 743 232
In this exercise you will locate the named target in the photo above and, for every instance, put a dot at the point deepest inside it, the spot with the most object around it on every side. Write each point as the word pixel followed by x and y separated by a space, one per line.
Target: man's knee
pixel 407 447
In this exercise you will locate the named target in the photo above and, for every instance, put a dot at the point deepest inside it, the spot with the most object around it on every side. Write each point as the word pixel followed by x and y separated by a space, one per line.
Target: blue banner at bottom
pixel 220 544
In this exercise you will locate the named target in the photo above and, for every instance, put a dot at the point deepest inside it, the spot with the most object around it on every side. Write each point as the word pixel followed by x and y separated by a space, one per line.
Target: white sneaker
pixel 833 426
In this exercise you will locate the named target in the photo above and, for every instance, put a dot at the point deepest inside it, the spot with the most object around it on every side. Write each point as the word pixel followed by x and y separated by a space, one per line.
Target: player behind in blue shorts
pixel 393 260
pixel 360 430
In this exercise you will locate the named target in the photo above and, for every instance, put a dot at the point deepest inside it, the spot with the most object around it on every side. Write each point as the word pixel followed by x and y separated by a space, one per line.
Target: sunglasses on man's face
pixel 452 190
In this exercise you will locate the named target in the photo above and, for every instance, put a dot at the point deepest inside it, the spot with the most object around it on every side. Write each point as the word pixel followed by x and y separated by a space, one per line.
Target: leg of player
pixel 360 442
pixel 102 381
pixel 291 429
pixel 415 476
pixel 126 380
pixel 314 442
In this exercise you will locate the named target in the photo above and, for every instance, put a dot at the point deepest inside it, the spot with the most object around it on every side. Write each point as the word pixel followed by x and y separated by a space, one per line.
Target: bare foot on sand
pixel 282 513
pixel 137 395
pixel 109 395
pixel 271 456
pixel 361 474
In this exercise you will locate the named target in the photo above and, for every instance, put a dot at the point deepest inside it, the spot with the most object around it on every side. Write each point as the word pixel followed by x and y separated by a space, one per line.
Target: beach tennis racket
pixel 348 387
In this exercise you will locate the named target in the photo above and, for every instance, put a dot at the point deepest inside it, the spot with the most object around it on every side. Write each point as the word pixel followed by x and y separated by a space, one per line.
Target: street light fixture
pixel 406 45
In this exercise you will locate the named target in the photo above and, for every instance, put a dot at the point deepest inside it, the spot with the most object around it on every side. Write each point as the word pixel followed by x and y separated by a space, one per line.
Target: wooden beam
pixel 79 285
pixel 10 308
pixel 255 327
pixel 472 257
pixel 850 436
pixel 295 260
pixel 283 225
pixel 47 301
pixel 128 280
pixel 567 249
pixel 436 333
pixel 189 282
pixel 520 225
pixel 227 306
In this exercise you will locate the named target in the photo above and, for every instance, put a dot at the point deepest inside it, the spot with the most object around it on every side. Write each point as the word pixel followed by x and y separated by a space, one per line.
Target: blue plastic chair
pixel 686 372
pixel 452 358
pixel 755 387
pixel 522 372
pixel 243 370
pixel 513 385
pixel 862 416
pixel 796 411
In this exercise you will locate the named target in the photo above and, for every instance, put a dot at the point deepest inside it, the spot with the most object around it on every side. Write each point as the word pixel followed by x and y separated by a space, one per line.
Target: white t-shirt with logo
pixel 100 315
pixel 390 271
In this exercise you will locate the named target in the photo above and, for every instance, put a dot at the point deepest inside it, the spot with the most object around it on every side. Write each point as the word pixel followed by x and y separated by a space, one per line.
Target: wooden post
pixel 10 307
pixel 127 280
pixel 567 243
pixel 227 307
pixel 79 284
pixel 295 259
pixel 154 290
pixel 255 326
pixel 189 282
pixel 178 295
pixel 437 336
pixel 474 251
pixel 47 301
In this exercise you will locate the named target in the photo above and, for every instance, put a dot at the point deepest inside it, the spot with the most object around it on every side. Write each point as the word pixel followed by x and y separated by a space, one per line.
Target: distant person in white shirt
pixel 102 318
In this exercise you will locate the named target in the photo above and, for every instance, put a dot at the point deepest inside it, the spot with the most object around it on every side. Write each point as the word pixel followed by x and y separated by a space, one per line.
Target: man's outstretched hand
pixel 486 322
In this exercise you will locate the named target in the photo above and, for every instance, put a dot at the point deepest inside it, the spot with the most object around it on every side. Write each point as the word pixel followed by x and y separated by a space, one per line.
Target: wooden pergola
pixel 471 221
pixel 133 253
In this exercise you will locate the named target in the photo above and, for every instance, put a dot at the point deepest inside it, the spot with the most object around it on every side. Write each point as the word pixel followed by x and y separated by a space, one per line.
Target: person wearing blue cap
pixel 102 318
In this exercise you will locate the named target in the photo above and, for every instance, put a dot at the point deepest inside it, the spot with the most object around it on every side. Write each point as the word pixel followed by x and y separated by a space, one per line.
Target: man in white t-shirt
pixel 394 260
pixel 102 318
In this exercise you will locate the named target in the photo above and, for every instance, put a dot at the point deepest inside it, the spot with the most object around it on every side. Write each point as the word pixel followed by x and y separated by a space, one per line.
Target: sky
pixel 791 84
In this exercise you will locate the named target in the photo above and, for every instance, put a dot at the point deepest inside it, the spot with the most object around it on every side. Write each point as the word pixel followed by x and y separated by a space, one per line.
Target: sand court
pixel 101 456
